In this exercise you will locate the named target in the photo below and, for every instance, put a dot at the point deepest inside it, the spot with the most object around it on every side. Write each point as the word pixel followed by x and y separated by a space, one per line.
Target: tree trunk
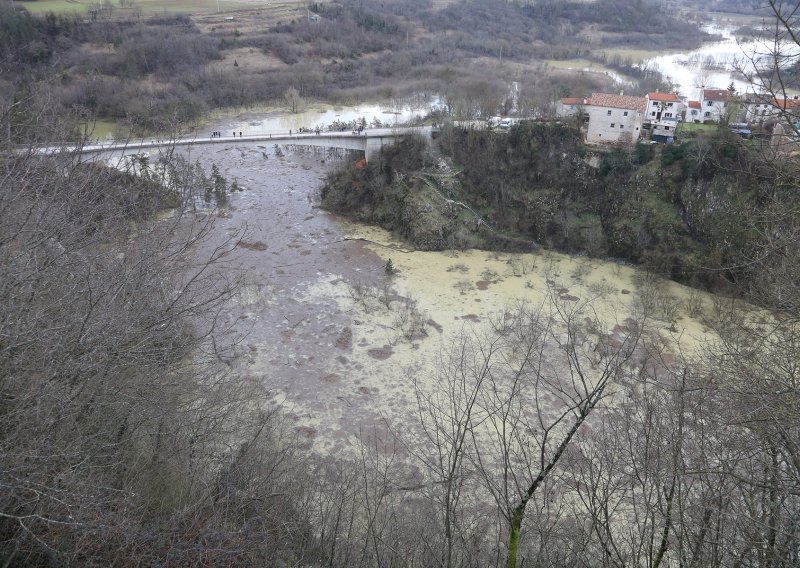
pixel 513 534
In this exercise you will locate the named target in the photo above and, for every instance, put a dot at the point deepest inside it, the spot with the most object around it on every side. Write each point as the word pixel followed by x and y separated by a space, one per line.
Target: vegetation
pixel 156 72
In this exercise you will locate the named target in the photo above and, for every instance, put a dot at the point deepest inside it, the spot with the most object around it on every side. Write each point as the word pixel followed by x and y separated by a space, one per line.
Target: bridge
pixel 369 141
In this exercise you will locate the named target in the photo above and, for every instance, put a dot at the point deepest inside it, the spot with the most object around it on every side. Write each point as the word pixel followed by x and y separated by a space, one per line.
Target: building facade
pixel 715 105
pixel 615 119
pixel 663 106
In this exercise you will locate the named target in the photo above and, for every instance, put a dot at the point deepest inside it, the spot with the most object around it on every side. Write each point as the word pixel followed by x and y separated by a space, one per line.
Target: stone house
pixel 615 119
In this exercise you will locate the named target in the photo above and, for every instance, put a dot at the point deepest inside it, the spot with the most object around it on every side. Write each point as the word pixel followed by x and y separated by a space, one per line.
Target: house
pixel 757 109
pixel 615 119
pixel 663 131
pixel 663 106
pixel 568 107
pixel 786 124
pixel 715 104
pixel 789 108
pixel 693 112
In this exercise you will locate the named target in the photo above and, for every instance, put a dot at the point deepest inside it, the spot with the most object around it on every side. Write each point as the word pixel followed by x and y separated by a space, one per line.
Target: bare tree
pixel 514 403
pixel 293 99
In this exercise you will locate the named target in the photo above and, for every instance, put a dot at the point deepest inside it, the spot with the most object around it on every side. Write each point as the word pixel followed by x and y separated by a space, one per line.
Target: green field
pixel 146 6
pixel 693 129
pixel 103 129
pixel 634 55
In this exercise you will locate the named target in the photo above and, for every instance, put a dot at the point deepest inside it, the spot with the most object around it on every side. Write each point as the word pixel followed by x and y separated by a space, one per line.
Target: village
pixel 657 117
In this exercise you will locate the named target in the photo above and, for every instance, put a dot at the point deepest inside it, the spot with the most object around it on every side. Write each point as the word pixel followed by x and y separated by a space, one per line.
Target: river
pixel 324 328
pixel 313 115
pixel 716 64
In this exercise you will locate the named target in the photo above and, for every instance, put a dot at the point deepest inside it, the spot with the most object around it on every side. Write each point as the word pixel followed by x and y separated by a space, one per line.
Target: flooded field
pixel 336 340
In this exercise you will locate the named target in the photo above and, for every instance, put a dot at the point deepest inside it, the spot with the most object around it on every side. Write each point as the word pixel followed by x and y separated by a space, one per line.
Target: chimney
pixel 621 93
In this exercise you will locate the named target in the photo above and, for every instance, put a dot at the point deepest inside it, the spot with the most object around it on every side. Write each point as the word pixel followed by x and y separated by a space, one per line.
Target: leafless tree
pixel 514 402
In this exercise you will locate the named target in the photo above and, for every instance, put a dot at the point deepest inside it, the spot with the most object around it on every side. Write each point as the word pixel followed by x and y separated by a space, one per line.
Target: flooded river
pixel 717 64
pixel 338 342
pixel 313 115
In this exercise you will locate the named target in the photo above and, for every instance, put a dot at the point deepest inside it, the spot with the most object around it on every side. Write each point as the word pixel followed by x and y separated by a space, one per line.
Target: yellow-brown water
pixel 330 335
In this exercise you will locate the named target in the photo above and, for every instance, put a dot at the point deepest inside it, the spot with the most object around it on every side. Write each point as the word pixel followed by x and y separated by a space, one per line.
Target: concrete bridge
pixel 369 141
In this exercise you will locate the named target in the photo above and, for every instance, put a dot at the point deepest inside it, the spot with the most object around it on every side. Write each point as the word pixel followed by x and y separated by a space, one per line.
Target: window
pixel 625 113
pixel 609 113
pixel 707 114
pixel 666 128
pixel 669 104
pixel 622 126
pixel 709 103
pixel 667 115
pixel 694 112
pixel 653 113
pixel 612 125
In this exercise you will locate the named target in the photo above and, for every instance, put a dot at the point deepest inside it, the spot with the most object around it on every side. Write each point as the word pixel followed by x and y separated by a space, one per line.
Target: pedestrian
pixel 240 135
pixel 290 132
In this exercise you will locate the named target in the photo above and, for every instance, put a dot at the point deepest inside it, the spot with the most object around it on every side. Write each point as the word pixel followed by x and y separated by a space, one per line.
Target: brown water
pixel 324 327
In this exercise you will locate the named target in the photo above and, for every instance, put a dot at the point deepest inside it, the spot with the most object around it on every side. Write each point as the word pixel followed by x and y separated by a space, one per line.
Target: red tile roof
pixel 694 104
pixel 572 101
pixel 786 104
pixel 663 97
pixel 716 95
pixel 618 101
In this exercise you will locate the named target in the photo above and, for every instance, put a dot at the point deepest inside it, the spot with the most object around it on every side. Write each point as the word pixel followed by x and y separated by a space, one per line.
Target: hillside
pixel 165 70
pixel 689 212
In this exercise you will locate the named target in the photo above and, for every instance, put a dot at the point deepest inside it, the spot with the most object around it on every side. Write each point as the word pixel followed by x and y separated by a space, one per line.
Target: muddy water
pixel 272 121
pixel 326 331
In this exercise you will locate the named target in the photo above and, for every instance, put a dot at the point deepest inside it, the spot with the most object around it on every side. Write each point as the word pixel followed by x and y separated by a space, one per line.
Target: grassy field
pixel 634 55
pixel 693 129
pixel 103 129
